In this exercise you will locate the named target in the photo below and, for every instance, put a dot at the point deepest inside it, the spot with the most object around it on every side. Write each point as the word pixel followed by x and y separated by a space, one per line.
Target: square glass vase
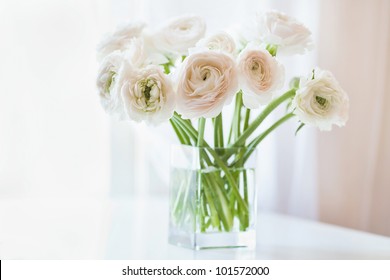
pixel 212 197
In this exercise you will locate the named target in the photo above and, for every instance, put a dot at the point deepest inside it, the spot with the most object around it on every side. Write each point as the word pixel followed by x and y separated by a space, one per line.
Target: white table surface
pixel 138 229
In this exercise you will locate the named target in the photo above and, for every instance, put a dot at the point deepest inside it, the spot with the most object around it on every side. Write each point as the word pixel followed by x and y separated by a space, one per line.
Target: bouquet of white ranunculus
pixel 173 72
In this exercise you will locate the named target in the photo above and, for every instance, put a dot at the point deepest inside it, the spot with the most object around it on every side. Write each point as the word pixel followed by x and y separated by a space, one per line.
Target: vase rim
pixel 183 146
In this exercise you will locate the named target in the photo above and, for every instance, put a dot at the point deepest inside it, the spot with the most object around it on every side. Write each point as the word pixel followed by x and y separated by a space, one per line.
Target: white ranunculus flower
pixel 220 41
pixel 179 34
pixel 279 29
pixel 261 75
pixel 206 82
pixel 147 93
pixel 320 101
pixel 107 84
pixel 120 39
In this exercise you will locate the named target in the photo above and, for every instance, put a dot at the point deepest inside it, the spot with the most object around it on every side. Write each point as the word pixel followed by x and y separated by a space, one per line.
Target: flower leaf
pixel 299 128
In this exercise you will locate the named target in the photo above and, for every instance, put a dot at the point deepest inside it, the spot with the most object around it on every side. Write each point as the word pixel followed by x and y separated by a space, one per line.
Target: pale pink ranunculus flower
pixel 285 32
pixel 120 39
pixel 220 41
pixel 179 34
pixel 261 76
pixel 207 80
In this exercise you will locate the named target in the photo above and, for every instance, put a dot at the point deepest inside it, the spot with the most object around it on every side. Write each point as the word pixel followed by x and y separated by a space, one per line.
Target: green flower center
pixel 109 82
pixel 147 90
pixel 148 96
pixel 321 101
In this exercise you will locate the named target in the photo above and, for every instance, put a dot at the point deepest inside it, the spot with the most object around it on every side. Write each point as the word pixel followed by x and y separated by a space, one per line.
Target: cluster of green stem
pixel 222 196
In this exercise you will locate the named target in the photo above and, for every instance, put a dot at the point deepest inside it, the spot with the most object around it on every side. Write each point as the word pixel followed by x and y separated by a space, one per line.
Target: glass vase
pixel 212 197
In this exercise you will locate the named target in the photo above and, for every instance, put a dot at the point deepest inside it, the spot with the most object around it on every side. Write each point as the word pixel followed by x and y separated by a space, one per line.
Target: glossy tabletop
pixel 137 228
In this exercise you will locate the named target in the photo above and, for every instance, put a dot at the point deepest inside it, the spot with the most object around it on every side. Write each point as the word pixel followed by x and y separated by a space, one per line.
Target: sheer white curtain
pixel 354 177
pixel 286 163
pixel 54 137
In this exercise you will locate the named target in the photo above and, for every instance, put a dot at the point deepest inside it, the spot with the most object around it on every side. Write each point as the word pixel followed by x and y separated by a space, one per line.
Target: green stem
pixel 230 179
pixel 183 138
pixel 213 210
pixel 220 201
pixel 237 126
pixel 245 186
pixel 247 117
pixel 218 131
pixel 236 115
pixel 246 198
pixel 260 118
pixel 192 133
pixel 205 189
pixel 217 194
pixel 201 126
